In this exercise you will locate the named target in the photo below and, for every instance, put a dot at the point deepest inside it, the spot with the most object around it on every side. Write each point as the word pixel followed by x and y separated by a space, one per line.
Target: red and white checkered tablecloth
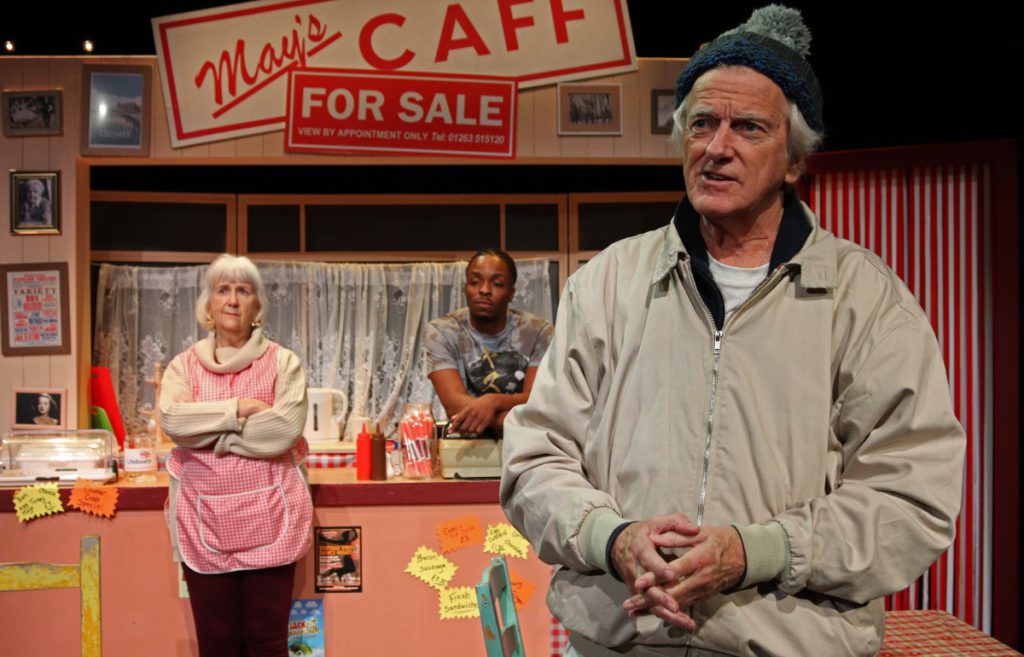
pixel 559 638
pixel 934 633
pixel 925 633
pixel 331 461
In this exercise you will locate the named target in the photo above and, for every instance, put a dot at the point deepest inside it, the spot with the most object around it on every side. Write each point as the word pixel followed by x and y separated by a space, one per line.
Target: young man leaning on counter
pixel 482 358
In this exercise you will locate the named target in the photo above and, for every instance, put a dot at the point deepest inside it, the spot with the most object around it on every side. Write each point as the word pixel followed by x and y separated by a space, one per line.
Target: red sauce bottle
pixel 363 455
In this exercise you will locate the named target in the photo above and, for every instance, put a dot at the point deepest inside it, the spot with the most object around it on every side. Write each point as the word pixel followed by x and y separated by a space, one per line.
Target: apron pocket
pixel 242 521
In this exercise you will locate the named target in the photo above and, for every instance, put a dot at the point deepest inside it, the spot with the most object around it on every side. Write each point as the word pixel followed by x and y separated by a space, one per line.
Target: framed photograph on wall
pixel 38 408
pixel 339 559
pixel 663 105
pixel 33 113
pixel 590 109
pixel 35 203
pixel 115 110
pixel 34 309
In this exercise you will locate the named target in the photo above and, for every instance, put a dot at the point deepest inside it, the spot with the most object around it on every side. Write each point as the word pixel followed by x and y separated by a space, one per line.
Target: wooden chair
pixel 498 612
pixel 84 575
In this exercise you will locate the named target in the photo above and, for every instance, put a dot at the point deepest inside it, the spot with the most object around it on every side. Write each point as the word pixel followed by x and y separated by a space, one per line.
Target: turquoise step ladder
pixel 498 612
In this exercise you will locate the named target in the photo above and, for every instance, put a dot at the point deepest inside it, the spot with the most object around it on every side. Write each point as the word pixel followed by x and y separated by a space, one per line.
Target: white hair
pixel 801 139
pixel 229 267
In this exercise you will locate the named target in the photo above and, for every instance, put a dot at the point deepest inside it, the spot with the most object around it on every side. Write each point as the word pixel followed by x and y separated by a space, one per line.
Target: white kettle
pixel 325 414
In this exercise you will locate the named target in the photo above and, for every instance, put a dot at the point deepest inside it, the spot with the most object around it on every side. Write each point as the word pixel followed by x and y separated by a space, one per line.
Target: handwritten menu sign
pixel 459 602
pixel 432 568
pixel 98 500
pixel 37 501
pixel 459 533
pixel 35 309
pixel 502 538
pixel 522 589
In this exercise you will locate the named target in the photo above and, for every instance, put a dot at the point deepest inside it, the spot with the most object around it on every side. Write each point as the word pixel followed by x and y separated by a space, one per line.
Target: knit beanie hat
pixel 773 42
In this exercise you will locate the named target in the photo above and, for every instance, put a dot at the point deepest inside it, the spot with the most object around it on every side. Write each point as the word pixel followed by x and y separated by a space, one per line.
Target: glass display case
pixel 30 456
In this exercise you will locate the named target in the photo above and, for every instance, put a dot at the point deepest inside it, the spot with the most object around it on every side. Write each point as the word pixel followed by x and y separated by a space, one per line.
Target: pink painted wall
pixel 395 614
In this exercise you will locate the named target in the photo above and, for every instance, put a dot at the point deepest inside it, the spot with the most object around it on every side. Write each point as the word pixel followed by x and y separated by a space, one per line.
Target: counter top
pixel 330 487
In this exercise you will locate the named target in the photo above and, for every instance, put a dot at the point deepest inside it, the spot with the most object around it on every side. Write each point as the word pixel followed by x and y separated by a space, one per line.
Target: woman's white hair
pixel 230 268
pixel 802 139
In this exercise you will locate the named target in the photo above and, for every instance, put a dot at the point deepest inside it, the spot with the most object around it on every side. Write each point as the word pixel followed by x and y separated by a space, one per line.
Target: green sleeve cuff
pixel 767 550
pixel 593 538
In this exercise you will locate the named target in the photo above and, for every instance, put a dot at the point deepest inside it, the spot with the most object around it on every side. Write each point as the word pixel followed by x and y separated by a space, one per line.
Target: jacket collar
pixel 800 243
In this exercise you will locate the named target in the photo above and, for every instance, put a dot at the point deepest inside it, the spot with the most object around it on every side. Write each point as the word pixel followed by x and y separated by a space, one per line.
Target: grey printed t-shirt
pixel 487 363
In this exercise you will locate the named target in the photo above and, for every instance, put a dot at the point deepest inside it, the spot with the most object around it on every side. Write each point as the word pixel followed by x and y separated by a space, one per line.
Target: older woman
pixel 239 511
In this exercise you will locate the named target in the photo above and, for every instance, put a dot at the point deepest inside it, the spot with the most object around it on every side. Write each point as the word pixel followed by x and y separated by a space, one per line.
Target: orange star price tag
pixel 459 533
pixel 88 497
pixel 522 590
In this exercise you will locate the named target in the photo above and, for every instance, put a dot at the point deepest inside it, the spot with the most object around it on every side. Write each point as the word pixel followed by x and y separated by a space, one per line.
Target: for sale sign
pixel 332 111
pixel 224 71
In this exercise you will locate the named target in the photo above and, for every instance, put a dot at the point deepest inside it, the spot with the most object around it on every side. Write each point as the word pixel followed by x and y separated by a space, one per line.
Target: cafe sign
pixel 225 71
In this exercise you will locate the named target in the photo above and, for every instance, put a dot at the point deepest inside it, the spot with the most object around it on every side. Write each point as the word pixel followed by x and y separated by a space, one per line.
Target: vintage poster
pixel 306 628
pixel 339 563
pixel 34 303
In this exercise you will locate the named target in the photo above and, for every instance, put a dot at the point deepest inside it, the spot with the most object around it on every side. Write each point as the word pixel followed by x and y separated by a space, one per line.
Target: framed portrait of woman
pixel 39 408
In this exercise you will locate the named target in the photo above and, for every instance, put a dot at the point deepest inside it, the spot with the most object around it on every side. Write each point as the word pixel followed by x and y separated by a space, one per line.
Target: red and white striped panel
pixel 931 225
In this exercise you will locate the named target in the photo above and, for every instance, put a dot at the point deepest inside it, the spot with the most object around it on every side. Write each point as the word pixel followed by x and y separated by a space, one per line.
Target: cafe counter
pixel 395 613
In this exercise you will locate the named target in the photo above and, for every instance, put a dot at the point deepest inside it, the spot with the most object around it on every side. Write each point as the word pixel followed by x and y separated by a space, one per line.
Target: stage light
pixel 87 45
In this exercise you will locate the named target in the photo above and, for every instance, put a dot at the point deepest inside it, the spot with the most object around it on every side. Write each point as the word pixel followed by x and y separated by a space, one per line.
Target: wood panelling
pixel 537 142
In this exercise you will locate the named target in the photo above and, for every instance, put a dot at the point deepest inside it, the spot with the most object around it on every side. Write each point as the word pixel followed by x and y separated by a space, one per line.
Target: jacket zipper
pixel 758 292
pixel 765 285
pixel 689 611
pixel 710 424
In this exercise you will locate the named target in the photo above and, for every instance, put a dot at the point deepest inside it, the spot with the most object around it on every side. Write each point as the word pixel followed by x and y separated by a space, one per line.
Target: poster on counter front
pixel 306 628
pixel 339 562
pixel 336 111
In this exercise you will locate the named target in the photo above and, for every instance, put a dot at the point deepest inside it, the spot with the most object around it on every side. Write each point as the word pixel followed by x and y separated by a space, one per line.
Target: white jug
pixel 325 414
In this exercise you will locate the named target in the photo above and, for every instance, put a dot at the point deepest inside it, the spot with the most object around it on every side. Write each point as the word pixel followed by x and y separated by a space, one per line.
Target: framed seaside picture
pixel 34 315
pixel 590 109
pixel 116 110
pixel 35 203
pixel 33 113
pixel 38 408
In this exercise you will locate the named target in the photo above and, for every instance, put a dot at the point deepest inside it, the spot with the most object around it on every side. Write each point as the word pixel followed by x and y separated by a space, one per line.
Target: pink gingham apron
pixel 234 512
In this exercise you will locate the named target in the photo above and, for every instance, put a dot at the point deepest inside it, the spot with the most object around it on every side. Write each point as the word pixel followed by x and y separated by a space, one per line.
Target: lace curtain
pixel 356 327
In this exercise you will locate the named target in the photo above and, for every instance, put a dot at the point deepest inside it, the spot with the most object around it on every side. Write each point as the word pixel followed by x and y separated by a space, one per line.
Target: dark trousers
pixel 248 608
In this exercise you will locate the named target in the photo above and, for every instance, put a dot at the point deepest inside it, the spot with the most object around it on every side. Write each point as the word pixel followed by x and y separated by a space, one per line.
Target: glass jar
pixel 419 445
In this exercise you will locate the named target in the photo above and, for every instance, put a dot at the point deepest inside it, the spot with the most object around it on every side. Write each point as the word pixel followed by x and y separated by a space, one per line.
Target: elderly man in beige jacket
pixel 741 437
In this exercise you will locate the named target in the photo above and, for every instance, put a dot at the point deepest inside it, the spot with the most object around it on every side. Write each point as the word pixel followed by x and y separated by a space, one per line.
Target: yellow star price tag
pixel 459 602
pixel 37 501
pixel 504 539
pixel 432 568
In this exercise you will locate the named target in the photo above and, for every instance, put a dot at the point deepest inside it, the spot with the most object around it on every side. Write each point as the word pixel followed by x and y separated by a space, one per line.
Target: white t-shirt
pixel 736 283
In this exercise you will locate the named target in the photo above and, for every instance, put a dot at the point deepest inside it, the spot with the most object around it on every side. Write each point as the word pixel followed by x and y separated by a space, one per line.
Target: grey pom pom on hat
pixel 773 42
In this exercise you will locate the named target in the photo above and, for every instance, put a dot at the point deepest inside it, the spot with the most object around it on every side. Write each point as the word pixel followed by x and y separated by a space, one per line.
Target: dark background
pixel 893 73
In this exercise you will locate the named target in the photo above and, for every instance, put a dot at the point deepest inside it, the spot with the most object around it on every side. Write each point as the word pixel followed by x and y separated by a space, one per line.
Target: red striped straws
pixel 417 436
